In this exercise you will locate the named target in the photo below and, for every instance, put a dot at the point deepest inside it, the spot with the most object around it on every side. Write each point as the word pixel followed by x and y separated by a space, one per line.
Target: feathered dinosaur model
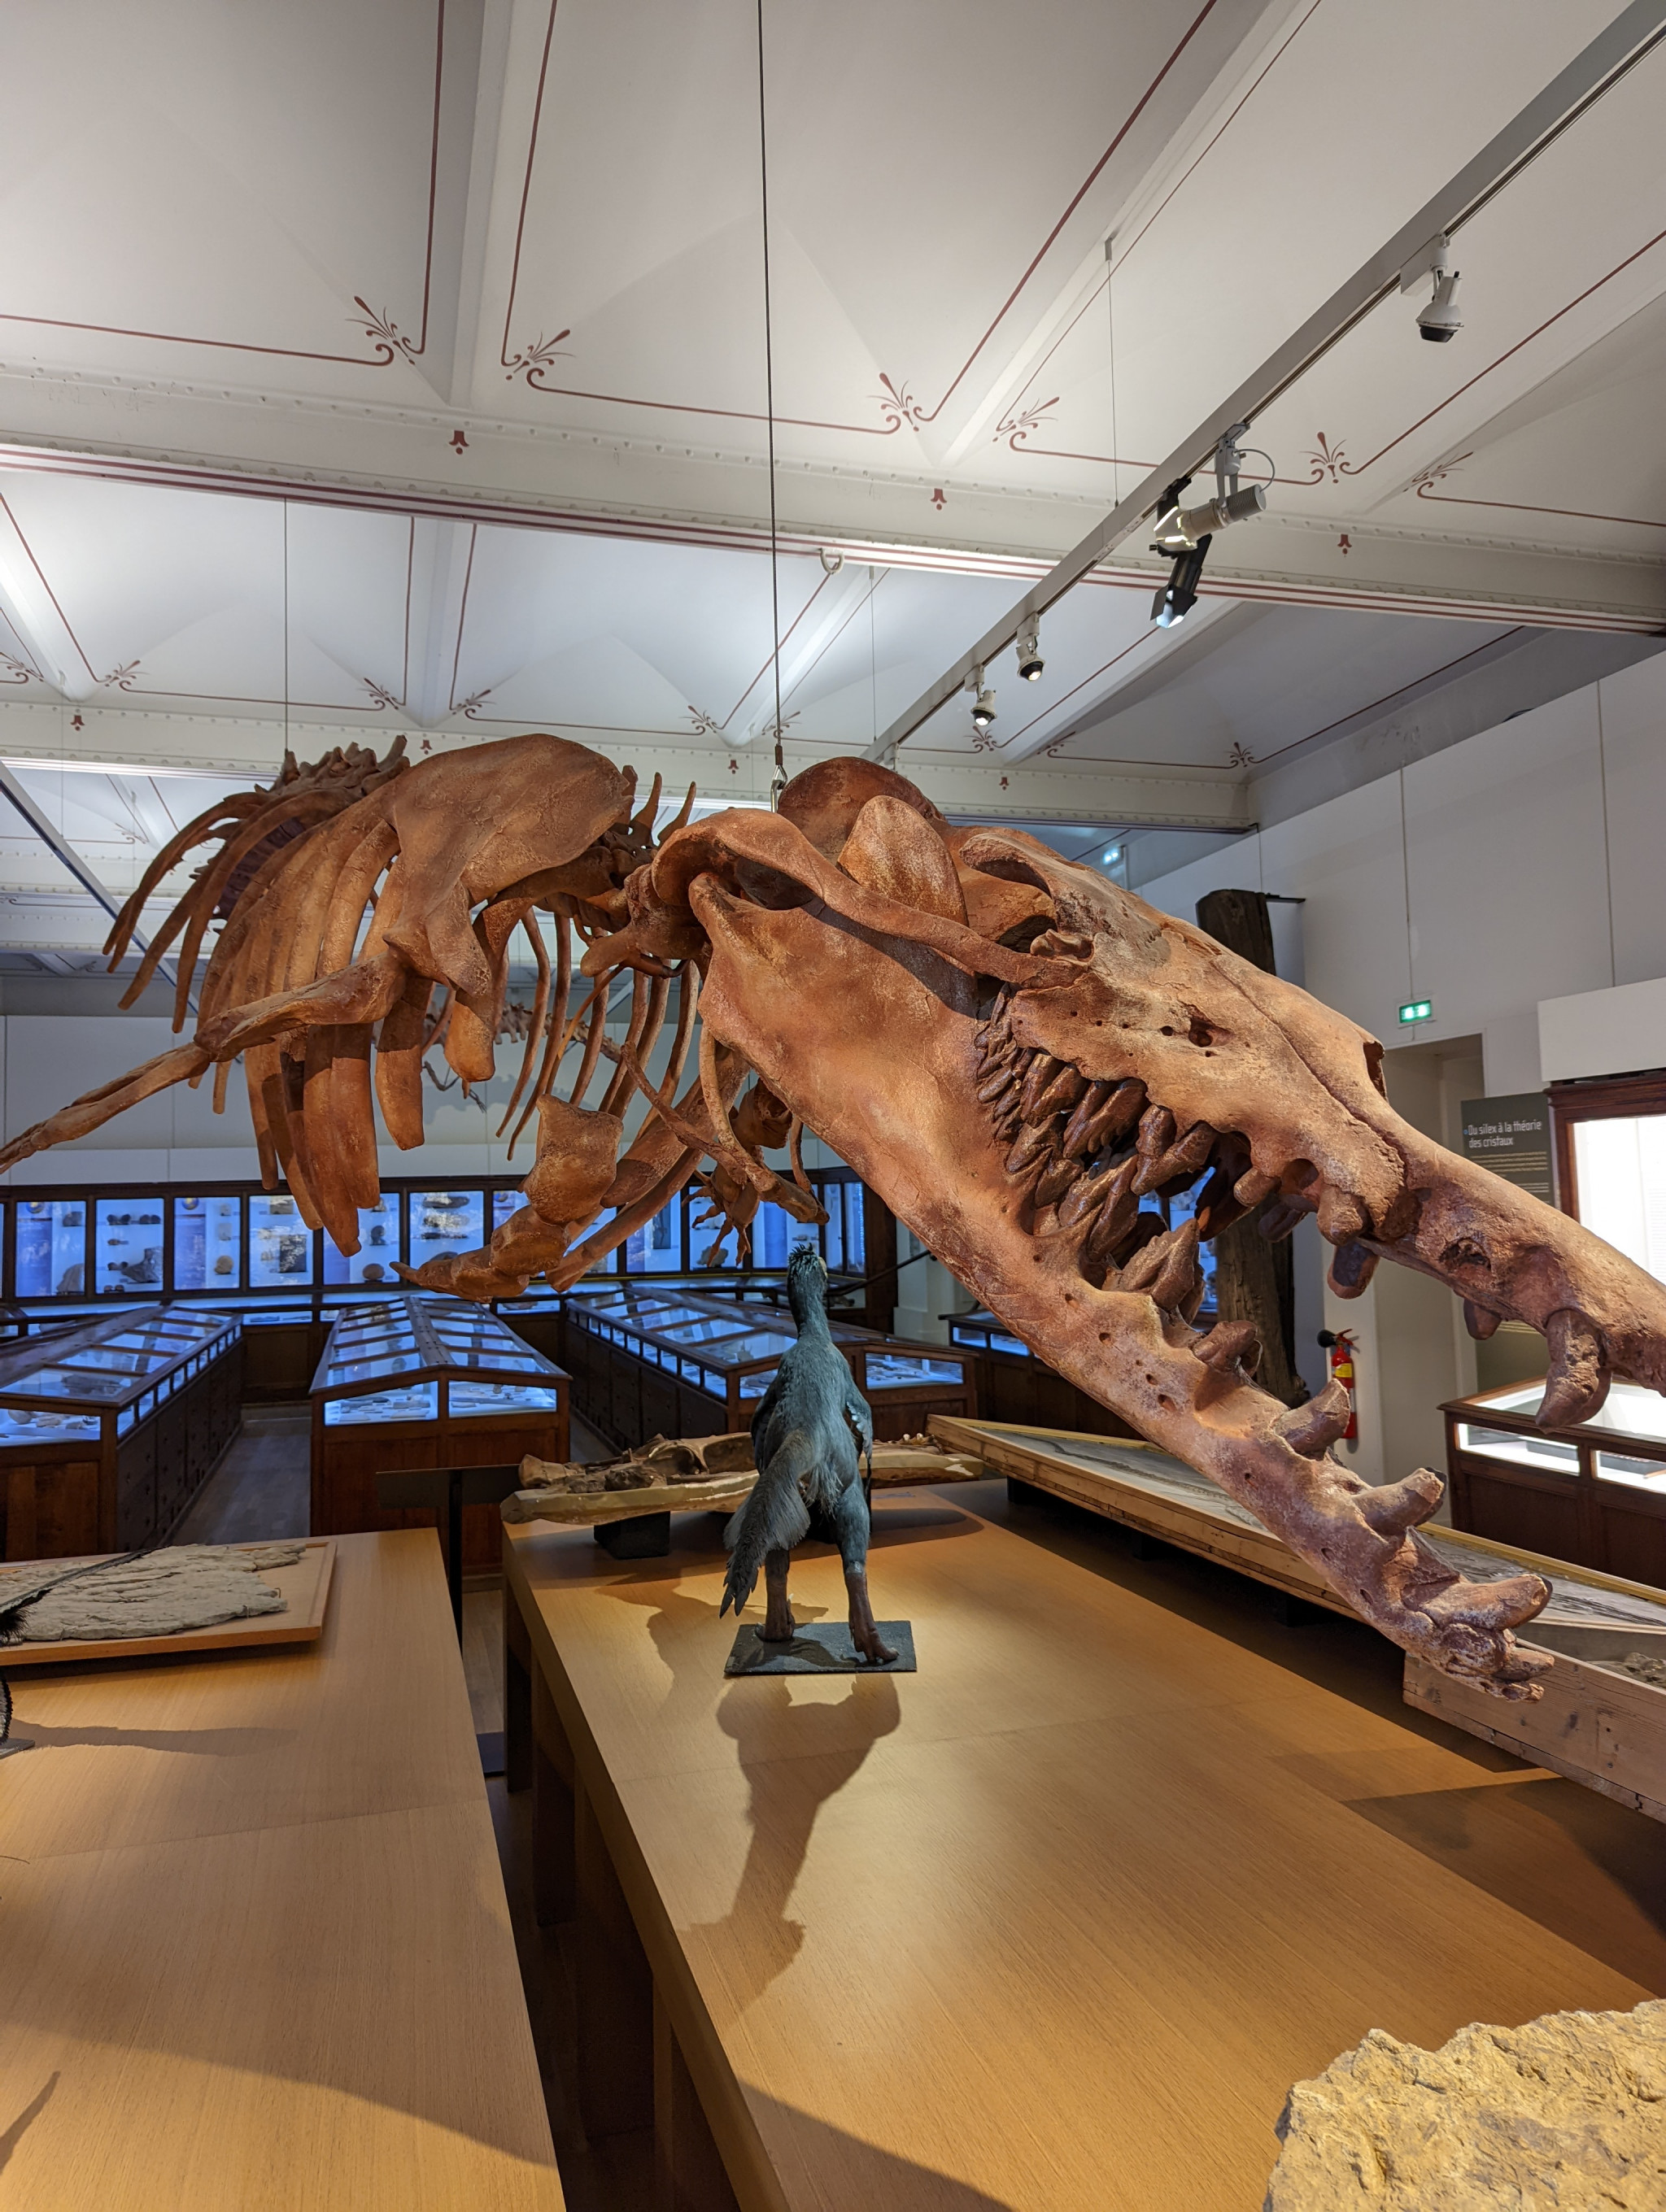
pixel 810 1426
pixel 1009 1049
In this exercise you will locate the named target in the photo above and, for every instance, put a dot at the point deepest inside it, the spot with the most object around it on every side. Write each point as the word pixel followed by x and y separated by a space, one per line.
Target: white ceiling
pixel 479 287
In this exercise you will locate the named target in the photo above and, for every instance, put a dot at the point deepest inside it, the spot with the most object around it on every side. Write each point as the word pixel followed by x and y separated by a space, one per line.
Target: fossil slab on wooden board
pixel 1568 2114
pixel 1012 1052
pixel 163 1593
pixel 694 1474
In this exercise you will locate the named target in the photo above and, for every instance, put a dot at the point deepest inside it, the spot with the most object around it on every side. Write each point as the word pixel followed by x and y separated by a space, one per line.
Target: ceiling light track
pixel 1611 55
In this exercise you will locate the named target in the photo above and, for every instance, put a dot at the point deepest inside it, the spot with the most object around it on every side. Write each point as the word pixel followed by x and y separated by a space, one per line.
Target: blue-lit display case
pixel 412 1380
pixel 647 1361
pixel 109 1429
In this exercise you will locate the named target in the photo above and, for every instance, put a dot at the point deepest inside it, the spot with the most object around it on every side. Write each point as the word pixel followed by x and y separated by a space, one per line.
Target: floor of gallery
pixel 1572 1863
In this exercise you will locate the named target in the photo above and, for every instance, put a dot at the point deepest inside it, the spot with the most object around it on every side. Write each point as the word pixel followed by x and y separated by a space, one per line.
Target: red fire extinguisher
pixel 1339 1343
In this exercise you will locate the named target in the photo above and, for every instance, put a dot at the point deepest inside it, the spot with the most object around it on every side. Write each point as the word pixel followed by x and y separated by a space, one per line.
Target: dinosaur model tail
pixel 774 1518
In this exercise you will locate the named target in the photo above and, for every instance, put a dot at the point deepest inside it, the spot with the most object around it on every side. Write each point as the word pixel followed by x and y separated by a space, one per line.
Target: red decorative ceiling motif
pixel 119 679
pixel 18 672
pixel 389 342
pixel 914 413
pixel 381 697
pixel 1018 425
pixel 1328 463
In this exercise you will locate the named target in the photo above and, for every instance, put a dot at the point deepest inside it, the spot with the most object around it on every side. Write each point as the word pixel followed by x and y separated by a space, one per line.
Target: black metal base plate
pixel 820 1647
pixel 15 1743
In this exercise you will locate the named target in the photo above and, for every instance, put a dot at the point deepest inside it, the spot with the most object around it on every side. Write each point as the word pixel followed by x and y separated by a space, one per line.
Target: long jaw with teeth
pixel 1014 1055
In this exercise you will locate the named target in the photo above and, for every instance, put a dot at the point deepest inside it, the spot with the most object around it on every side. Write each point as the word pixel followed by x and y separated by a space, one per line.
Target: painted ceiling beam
pixel 1633 33
pixel 59 846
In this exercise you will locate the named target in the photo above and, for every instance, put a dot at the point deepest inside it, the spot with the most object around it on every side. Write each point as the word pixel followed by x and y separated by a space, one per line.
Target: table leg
pixel 517 1695
pixel 689 2175
pixel 553 1889
pixel 615 2006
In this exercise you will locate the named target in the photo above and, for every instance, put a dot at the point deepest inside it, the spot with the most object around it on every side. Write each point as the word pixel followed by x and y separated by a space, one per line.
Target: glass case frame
pixel 1592 1492
pixel 107 1430
pixel 412 1379
pixel 649 1359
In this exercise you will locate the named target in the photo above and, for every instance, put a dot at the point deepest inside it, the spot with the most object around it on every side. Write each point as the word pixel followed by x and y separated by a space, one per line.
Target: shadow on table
pixel 208 1743
pixel 11 2136
pixel 840 2168
pixel 796 1754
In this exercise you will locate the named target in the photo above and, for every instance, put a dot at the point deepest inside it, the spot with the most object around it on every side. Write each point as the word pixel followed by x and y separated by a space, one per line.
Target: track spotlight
pixel 1175 599
pixel 1183 528
pixel 983 706
pixel 1030 663
pixel 1440 320
pixel 1111 856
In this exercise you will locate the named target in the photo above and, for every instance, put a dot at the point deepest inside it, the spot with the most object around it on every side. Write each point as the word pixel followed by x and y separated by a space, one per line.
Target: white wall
pixel 1531 854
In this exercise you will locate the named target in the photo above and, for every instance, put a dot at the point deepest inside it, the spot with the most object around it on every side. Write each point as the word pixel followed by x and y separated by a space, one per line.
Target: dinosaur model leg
pixel 778 1625
pixel 850 1517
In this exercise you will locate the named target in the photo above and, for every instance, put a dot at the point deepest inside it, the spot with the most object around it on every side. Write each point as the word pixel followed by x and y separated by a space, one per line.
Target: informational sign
pixel 1511 1136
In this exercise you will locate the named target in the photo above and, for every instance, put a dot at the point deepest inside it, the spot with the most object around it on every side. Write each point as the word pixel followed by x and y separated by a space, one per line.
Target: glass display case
pixel 1593 1492
pixel 1014 1385
pixel 417 1381
pixel 107 1430
pixel 678 1363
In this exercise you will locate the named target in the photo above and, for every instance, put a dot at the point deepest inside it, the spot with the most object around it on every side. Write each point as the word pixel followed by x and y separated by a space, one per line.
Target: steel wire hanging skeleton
pixel 1008 1048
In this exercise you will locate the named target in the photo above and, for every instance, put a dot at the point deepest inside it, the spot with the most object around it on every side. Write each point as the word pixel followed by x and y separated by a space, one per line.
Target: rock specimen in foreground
pixel 1567 2114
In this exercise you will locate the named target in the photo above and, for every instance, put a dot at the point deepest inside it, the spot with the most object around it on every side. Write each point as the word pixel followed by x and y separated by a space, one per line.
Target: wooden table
pixel 1055 1922
pixel 256 1947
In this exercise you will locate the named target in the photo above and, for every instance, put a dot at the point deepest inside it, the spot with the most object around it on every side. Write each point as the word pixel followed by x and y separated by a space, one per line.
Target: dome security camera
pixel 1440 320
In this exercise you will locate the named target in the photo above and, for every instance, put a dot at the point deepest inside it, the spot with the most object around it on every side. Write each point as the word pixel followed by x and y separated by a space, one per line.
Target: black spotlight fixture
pixel 1175 599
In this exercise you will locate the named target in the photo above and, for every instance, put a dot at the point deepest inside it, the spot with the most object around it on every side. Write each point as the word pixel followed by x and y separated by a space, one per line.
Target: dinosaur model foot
pixel 864 1630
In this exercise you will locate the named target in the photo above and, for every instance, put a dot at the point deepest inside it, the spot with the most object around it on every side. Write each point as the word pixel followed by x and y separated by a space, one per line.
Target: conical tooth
pixel 1180 1279
pixel 1488 1606
pixel 1062 1092
pixel 1276 1224
pixel 1116 1117
pixel 1076 1145
pixel 1184 1157
pixel 1055 1181
pixel 1252 1188
pixel 1394 1507
pixel 1313 1428
pixel 1341 1217
pixel 1218 1207
pixel 992 1085
pixel 1156 1133
pixel 1480 1321
pixel 1352 1269
pixel 1231 1344
pixel 1035 1138
pixel 1086 1196
pixel 1042 1068
pixel 1145 1229
pixel 1578 1380
pixel 1149 1264
pixel 1116 1214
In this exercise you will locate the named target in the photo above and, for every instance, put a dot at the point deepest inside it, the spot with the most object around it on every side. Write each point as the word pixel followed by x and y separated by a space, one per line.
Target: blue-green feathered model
pixel 810 1434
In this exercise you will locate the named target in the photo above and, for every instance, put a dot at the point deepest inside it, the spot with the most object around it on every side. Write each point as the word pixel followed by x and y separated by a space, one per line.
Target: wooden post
pixel 689 2175
pixel 1254 1280
pixel 554 1894
pixel 614 1992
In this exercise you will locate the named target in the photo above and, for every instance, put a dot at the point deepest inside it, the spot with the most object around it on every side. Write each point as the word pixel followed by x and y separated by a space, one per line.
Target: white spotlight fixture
pixel 1440 320
pixel 1187 532
pixel 983 706
pixel 1030 663
pixel 1114 854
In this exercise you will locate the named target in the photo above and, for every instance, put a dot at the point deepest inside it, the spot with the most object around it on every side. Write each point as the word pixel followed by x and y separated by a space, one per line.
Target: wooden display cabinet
pixel 1015 1387
pixel 1594 1492
pixel 421 1382
pixel 109 1430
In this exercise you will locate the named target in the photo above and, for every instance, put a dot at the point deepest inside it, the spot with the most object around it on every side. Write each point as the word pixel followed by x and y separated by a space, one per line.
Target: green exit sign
pixel 1417 1009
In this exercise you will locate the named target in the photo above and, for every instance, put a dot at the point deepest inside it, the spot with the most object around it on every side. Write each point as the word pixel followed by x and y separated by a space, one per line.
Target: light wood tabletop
pixel 256 1947
pixel 1057 1920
